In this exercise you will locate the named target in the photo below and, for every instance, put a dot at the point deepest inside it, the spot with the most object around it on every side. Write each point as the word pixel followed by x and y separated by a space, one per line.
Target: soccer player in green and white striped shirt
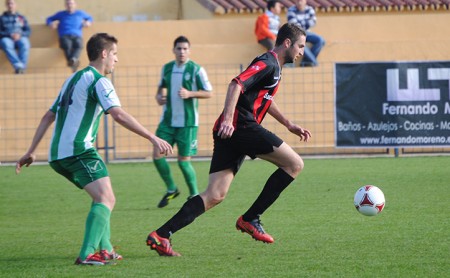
pixel 77 110
pixel 182 83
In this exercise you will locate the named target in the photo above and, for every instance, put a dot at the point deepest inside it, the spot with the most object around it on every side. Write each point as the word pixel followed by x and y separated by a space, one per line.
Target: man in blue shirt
pixel 14 33
pixel 70 23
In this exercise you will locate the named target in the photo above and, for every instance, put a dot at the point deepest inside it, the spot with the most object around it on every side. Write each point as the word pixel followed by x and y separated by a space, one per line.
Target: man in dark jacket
pixel 14 34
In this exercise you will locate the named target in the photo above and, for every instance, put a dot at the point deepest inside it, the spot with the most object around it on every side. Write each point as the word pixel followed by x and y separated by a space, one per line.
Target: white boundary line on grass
pixel 208 158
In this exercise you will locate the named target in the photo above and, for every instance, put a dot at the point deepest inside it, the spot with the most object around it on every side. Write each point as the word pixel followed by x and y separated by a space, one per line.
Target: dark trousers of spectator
pixel 310 55
pixel 267 43
pixel 72 46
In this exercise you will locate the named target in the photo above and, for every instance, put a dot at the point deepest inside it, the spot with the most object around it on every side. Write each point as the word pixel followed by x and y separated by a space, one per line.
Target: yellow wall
pixel 229 40
pixel 37 11
pixel 352 37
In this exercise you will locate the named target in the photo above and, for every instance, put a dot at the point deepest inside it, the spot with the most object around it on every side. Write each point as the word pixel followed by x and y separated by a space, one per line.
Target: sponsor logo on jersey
pixel 267 96
pixel 194 144
pixel 94 166
pixel 108 92
pixel 187 76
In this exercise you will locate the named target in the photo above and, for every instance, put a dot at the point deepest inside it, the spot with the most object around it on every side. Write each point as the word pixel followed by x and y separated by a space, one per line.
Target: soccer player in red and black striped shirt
pixel 238 133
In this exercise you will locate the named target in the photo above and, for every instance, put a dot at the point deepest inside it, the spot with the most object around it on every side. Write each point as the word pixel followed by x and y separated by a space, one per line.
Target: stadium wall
pixel 223 46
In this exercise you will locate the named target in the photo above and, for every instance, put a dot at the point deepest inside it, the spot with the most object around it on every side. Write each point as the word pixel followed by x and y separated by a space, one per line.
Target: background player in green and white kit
pixel 182 83
pixel 77 110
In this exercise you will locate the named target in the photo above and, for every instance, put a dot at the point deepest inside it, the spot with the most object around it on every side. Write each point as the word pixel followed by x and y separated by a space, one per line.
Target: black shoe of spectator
pixel 73 64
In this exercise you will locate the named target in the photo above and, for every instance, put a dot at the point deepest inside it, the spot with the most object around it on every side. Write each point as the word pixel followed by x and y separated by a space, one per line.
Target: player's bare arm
pixel 275 112
pixel 28 158
pixel 130 123
pixel 303 133
pixel 184 94
pixel 161 145
pixel 226 128
pixel 161 97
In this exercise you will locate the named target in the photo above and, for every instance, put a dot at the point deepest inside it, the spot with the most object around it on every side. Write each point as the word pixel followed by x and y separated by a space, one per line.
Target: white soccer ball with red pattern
pixel 369 200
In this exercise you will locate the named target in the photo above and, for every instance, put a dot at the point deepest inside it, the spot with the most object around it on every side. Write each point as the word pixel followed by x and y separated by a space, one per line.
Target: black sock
pixel 276 183
pixel 193 208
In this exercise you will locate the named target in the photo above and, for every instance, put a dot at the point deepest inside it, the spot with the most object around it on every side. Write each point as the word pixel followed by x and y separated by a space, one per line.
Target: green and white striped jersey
pixel 180 112
pixel 83 99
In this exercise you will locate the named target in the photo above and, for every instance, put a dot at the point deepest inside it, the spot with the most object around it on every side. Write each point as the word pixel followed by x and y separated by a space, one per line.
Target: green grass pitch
pixel 317 231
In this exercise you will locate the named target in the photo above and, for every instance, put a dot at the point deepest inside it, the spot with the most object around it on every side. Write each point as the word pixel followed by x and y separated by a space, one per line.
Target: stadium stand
pixel 375 37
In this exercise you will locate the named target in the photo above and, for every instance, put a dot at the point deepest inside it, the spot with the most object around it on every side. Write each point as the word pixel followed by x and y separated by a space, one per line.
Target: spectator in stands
pixel 14 33
pixel 70 23
pixel 267 24
pixel 182 83
pixel 305 16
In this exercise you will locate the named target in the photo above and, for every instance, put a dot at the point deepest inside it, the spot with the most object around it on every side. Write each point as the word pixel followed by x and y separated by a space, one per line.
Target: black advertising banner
pixel 403 104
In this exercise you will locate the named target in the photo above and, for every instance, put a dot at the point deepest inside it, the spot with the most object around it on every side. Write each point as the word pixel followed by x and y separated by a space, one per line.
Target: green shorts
pixel 81 169
pixel 184 137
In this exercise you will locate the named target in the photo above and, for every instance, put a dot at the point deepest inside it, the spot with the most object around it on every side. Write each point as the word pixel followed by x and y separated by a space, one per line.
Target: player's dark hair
pixel 181 39
pixel 97 43
pixel 271 4
pixel 289 31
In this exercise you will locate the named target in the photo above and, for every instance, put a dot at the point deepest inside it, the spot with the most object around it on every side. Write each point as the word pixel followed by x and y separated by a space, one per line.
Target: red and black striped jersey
pixel 259 85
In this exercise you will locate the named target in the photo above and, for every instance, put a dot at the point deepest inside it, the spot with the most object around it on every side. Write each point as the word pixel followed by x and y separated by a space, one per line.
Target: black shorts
pixel 252 141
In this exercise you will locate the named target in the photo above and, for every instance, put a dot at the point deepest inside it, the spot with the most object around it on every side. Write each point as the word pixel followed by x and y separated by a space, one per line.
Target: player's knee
pixel 217 199
pixel 301 165
pixel 110 202
pixel 297 166
pixel 213 200
pixel 113 202
pixel 109 199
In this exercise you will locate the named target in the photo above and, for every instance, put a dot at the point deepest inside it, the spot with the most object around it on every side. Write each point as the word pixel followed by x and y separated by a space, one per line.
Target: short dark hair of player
pixel 290 31
pixel 271 4
pixel 97 43
pixel 181 39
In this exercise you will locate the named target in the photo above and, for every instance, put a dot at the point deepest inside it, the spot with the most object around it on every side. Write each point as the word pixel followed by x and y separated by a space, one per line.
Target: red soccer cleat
pixel 108 256
pixel 92 259
pixel 255 229
pixel 161 245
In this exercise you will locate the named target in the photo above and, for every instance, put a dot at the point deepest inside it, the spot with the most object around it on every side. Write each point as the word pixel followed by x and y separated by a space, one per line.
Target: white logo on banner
pixel 412 91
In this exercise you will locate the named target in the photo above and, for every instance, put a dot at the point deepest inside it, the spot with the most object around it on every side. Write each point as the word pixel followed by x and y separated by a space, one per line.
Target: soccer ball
pixel 369 200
